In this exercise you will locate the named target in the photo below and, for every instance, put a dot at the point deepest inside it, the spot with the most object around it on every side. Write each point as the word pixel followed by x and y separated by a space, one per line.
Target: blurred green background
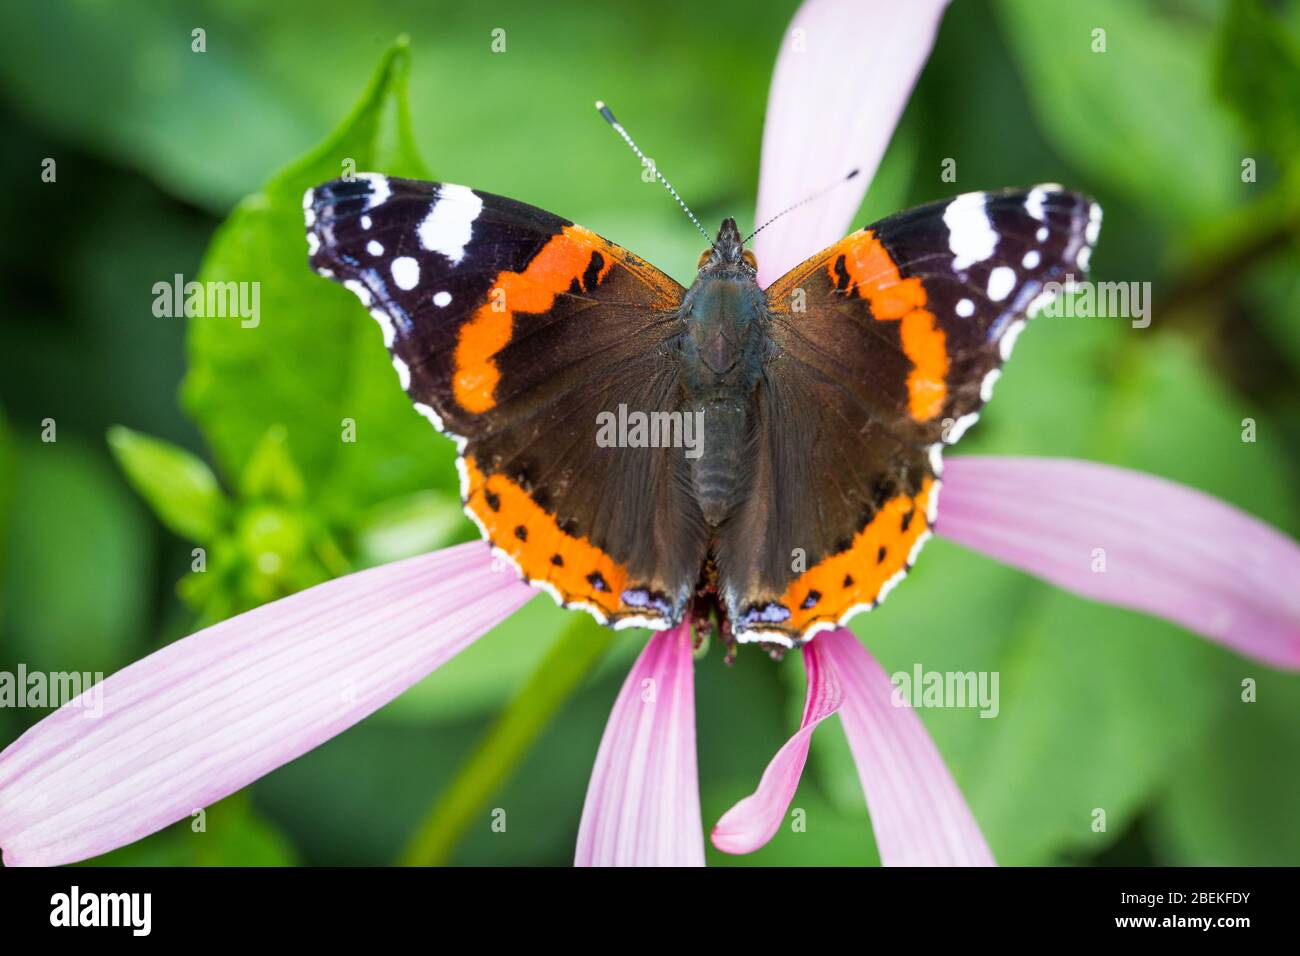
pixel 173 435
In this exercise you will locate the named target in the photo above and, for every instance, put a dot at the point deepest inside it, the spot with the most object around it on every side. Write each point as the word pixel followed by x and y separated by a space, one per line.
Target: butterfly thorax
pixel 721 354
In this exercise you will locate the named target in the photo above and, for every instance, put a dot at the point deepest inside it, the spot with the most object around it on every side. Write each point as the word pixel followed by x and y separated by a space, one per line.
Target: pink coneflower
pixel 209 714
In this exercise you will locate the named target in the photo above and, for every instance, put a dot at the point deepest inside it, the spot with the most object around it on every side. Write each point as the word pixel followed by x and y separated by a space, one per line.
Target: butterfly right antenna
pixel 802 202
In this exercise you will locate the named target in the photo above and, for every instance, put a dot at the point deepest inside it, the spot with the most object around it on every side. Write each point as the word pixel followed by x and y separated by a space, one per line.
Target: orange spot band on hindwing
pixel 872 272
pixel 565 258
pixel 856 577
pixel 520 527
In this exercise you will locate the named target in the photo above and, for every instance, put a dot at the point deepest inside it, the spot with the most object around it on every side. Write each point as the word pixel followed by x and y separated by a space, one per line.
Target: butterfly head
pixel 728 254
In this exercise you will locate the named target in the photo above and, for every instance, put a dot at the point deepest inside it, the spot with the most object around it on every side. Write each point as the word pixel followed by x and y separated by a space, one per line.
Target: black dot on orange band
pixel 521 532
pixel 493 500
pixel 880 555
pixel 597 581
pixel 848 580
pixel 557 560
pixel 842 278
pixel 591 278
pixel 812 598
pixel 907 520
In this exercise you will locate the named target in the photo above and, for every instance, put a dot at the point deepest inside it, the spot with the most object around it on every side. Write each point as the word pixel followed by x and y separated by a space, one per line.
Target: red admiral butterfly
pixel 825 400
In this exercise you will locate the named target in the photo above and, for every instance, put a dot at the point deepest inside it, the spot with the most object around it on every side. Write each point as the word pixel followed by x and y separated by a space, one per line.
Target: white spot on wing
pixel 366 222
pixel 936 458
pixel 428 412
pixel 766 637
pixel 1001 281
pixel 1034 203
pixel 1031 259
pixel 894 580
pixel 313 243
pixel 385 324
pixel 986 386
pixel 958 428
pixel 1040 302
pixel 1008 340
pixel 403 373
pixel 1094 224
pixel 442 299
pixel 971 236
pixel 406 272
pixel 379 189
pixel 375 248
pixel 965 308
pixel 360 291
pixel 450 223
pixel 917 545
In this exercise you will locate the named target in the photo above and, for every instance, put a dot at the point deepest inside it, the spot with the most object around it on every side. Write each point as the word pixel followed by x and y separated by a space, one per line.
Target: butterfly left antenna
pixel 618 128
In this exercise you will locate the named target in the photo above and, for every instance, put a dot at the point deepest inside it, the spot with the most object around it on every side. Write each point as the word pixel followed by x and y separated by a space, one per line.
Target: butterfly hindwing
pixel 512 329
pixel 885 347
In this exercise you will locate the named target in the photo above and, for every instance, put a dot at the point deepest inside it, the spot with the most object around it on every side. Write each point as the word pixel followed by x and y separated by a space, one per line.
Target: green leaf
pixel 1140 116
pixel 570 661
pixel 80 565
pixel 1258 72
pixel 1232 801
pixel 314 364
pixel 406 526
pixel 229 833
pixel 181 488
pixel 270 471
pixel 134 116
pixel 8 483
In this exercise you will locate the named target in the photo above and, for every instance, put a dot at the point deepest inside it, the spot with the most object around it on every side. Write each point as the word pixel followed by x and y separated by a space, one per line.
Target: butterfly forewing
pixel 512 329
pixel 886 345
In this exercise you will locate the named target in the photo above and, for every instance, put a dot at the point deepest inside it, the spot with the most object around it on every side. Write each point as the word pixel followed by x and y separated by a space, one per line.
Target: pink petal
pixel 643 802
pixel 754 820
pixel 917 812
pixel 209 714
pixel 1168 550
pixel 838 90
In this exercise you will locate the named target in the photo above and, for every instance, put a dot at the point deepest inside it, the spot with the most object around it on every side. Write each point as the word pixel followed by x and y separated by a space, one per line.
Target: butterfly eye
pixel 704 257
pixel 749 259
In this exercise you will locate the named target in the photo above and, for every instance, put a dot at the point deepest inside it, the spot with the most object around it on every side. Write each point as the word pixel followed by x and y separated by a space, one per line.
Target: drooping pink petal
pixel 754 820
pixel 919 816
pixel 643 801
pixel 842 78
pixel 1135 540
pixel 205 716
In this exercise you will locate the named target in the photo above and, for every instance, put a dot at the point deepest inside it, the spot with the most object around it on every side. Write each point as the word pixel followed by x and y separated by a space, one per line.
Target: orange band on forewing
pixel 856 576
pixel 565 257
pixel 873 273
pixel 532 537
pixel 923 342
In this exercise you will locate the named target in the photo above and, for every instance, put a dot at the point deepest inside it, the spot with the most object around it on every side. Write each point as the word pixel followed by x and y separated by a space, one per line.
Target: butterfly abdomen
pixel 717 476
pixel 720 364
